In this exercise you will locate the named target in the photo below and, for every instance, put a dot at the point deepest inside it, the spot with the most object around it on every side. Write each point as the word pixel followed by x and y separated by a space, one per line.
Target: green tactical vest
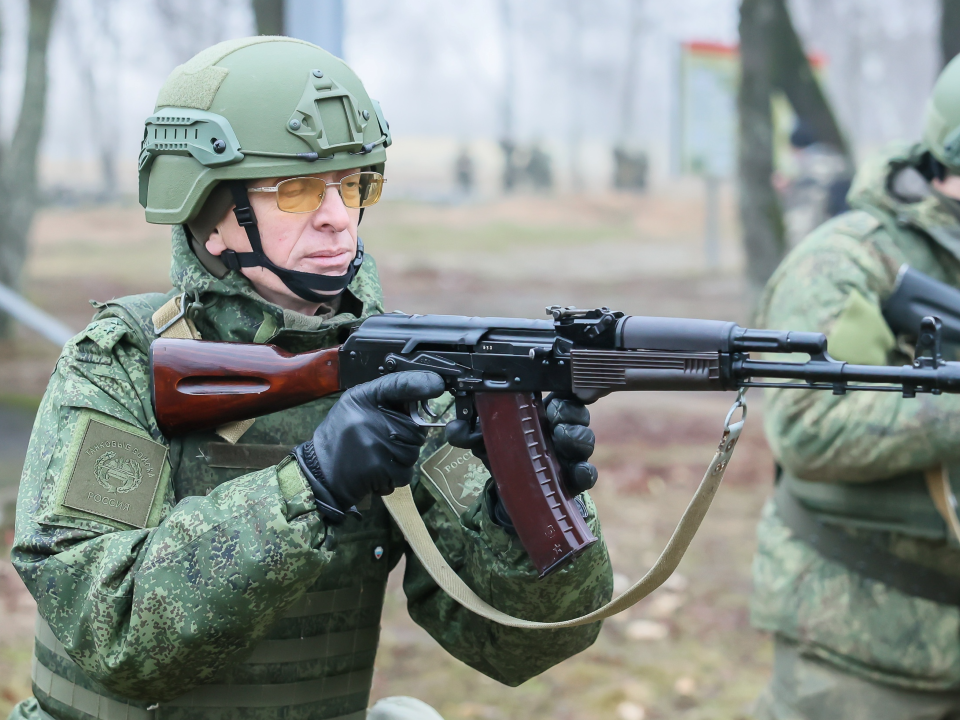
pixel 317 661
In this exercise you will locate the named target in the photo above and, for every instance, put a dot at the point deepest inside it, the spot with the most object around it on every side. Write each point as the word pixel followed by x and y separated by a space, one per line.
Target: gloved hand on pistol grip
pixel 367 442
pixel 572 438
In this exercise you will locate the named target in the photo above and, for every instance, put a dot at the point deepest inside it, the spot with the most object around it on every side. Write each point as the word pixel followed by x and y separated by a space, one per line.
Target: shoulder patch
pixel 457 474
pixel 113 472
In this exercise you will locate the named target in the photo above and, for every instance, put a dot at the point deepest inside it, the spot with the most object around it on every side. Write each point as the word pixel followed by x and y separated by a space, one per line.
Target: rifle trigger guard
pixel 418 409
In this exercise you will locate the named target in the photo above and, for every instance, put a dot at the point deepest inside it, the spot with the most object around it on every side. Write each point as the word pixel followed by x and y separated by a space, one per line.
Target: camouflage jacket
pixel 834 282
pixel 159 564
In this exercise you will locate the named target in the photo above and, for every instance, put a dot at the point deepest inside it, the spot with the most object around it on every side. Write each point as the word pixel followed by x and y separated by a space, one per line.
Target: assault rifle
pixel 497 368
pixel 916 296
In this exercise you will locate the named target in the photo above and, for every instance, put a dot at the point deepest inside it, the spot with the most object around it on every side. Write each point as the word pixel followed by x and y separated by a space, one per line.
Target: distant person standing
pixel 539 170
pixel 464 170
pixel 817 189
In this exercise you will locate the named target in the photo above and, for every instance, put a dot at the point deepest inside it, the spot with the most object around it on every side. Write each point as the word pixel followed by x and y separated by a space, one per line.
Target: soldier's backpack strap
pixel 171 321
pixel 404 511
pixel 866 558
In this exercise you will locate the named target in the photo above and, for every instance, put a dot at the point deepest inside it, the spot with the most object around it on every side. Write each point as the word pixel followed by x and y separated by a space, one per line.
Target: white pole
pixel 33 317
pixel 712 218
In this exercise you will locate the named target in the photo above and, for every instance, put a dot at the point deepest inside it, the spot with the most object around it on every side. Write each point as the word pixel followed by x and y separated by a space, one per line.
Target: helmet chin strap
pixel 305 285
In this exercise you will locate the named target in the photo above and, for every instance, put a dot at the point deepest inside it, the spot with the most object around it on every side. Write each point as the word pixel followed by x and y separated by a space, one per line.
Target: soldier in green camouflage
pixel 218 575
pixel 857 574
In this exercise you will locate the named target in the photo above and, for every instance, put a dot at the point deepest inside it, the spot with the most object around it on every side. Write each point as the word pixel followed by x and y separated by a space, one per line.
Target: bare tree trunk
pixel 508 143
pixel 269 14
pixel 18 166
pixel 760 214
pixel 628 93
pixel 576 75
pixel 949 29
pixel 795 77
pixel 101 97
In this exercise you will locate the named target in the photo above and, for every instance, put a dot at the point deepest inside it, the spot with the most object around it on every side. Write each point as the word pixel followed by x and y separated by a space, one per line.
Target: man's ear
pixel 215 244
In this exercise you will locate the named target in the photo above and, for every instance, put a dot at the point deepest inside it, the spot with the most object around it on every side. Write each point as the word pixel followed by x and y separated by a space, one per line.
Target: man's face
pixel 322 242
pixel 949 186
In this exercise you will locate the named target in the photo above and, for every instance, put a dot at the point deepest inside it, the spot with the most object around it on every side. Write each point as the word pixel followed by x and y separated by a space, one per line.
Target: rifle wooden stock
pixel 200 385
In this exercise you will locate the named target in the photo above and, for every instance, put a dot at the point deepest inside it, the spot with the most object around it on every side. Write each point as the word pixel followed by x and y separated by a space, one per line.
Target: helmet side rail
pixel 497 370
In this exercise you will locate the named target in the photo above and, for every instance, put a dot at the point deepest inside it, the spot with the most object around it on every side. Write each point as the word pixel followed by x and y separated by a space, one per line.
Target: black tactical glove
pixel 572 439
pixel 367 442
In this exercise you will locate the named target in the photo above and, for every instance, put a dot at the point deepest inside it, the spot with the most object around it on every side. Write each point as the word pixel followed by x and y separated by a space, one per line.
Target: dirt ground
pixel 686 652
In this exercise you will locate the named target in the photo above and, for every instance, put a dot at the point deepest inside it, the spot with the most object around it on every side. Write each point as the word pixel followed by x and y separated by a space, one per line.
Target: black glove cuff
pixel 306 457
pixel 496 510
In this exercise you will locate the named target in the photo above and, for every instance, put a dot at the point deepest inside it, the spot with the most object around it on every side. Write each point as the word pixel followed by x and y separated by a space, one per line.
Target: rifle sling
pixel 401 506
pixel 862 556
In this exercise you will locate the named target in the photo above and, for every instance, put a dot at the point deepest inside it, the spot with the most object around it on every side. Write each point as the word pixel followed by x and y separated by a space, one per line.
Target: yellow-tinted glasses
pixel 304 194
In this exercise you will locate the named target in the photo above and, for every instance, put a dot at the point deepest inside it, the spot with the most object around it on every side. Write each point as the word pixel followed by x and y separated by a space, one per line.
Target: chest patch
pixel 457 474
pixel 115 474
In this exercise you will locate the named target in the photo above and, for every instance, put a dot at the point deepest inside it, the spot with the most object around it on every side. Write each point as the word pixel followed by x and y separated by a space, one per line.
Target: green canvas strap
pixel 278 694
pixel 70 693
pixel 864 556
pixel 313 648
pixel 404 511
pixel 211 696
pixel 339 600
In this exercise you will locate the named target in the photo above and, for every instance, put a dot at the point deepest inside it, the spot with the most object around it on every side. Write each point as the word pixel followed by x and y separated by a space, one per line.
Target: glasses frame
pixel 326 184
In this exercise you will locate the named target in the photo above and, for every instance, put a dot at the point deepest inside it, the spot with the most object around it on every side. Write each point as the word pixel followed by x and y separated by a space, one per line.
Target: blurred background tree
pixel 269 16
pixel 772 58
pixel 18 159
pixel 949 29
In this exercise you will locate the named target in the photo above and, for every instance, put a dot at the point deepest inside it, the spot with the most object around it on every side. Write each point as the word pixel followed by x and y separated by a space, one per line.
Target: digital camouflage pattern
pixel 834 282
pixel 230 555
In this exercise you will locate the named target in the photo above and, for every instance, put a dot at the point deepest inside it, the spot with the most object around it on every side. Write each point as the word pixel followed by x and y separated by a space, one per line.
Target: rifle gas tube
pixel 497 369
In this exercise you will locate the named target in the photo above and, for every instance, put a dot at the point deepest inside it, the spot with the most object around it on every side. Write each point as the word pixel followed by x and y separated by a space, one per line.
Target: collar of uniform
pixel 932 215
pixel 234 312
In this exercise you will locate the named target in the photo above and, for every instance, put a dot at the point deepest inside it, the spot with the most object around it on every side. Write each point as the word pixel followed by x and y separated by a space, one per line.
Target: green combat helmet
pixel 253 108
pixel 941 131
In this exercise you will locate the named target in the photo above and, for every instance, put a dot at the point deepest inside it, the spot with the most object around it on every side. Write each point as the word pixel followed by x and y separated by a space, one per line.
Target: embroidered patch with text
pixel 458 475
pixel 115 475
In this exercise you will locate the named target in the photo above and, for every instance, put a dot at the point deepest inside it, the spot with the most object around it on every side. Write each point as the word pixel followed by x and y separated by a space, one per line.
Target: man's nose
pixel 332 212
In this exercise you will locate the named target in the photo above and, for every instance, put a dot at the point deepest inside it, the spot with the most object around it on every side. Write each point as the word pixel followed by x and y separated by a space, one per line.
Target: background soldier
pixel 816 189
pixel 199 576
pixel 871 632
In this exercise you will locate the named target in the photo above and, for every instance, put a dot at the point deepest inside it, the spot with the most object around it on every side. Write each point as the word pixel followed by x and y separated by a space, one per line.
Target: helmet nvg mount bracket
pixel 255 108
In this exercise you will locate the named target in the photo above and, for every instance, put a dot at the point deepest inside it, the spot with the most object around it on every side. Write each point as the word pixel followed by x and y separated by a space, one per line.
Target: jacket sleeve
pixel 150 613
pixel 497 568
pixel 836 285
